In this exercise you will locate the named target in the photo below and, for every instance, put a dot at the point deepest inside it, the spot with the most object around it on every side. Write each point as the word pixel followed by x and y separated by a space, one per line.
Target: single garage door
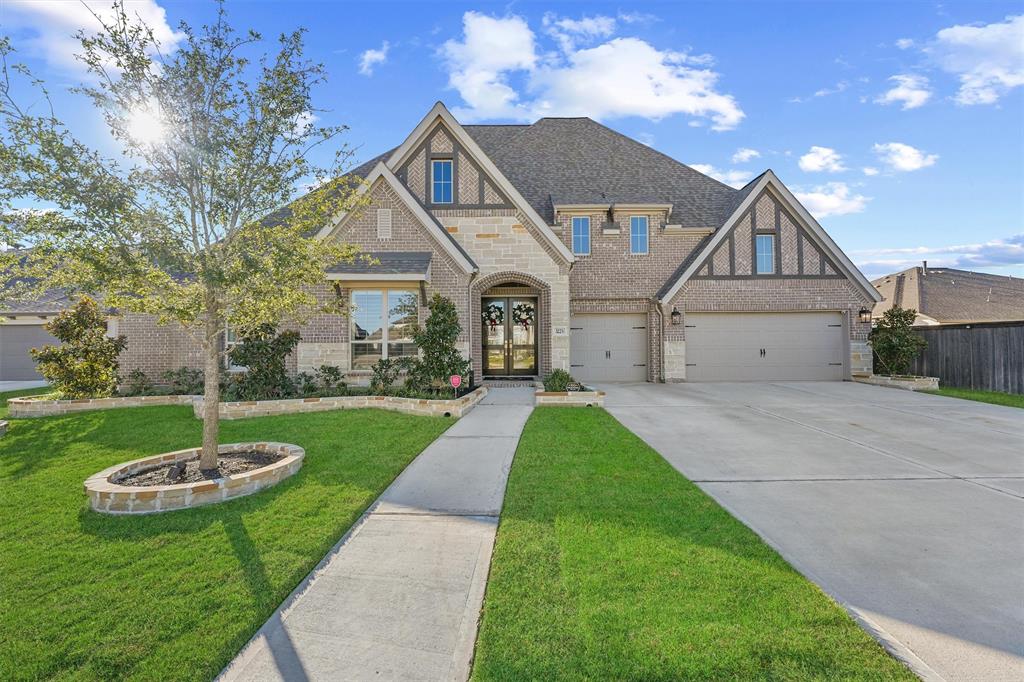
pixel 15 341
pixel 608 347
pixel 764 346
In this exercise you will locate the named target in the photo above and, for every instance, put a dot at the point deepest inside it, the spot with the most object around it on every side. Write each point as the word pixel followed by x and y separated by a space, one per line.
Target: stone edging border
pixel 570 398
pixel 265 408
pixel 3 428
pixel 906 383
pixel 108 497
pixel 24 408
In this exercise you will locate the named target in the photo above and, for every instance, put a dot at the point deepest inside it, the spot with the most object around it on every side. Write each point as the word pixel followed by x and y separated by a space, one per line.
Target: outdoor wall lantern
pixel 677 317
pixel 865 315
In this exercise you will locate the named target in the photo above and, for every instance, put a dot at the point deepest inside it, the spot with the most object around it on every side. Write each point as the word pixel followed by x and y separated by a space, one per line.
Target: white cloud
pixel 570 32
pixel 833 198
pixel 870 170
pixel 988 58
pixel 645 138
pixel 53 23
pixel 744 154
pixel 841 86
pixel 369 59
pixel 905 43
pixel 911 90
pixel 734 178
pixel 1006 252
pixel 903 157
pixel 616 78
pixel 822 159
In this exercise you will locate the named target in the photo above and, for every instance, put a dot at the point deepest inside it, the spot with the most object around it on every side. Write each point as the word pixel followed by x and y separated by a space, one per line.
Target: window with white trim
pixel 581 235
pixel 382 321
pixel 764 247
pixel 638 234
pixel 441 181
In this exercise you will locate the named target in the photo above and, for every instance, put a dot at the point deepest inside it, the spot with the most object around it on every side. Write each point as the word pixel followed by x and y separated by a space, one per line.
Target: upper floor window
pixel 581 235
pixel 765 250
pixel 441 181
pixel 638 236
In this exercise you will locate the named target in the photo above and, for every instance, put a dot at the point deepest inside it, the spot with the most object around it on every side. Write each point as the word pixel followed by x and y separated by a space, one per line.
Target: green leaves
pixel 894 341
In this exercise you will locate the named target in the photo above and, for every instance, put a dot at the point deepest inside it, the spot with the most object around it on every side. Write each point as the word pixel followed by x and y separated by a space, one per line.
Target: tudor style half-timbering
pixel 564 244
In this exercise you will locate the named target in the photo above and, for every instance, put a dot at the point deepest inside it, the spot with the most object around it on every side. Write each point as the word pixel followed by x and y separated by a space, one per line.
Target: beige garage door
pixel 15 341
pixel 764 347
pixel 609 347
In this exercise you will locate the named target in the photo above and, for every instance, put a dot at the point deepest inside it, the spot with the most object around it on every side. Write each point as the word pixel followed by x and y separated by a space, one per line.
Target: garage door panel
pixel 608 347
pixel 797 346
pixel 15 342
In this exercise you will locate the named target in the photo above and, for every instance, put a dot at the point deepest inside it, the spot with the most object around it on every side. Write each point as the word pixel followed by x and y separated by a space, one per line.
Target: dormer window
pixel 441 181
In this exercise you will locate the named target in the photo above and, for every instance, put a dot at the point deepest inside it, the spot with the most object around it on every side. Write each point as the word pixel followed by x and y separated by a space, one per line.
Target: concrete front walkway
pixel 906 507
pixel 399 596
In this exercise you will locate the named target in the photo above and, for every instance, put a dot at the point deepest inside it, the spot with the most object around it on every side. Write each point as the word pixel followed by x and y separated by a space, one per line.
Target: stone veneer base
pixel 265 408
pixel 108 497
pixel 23 408
pixel 906 383
pixel 570 398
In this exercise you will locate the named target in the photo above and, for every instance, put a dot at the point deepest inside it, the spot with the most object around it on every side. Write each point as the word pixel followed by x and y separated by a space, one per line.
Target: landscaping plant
pixel 263 353
pixel 85 364
pixel 184 381
pixel 558 381
pixel 213 137
pixel 385 374
pixel 439 358
pixel 894 341
pixel 138 383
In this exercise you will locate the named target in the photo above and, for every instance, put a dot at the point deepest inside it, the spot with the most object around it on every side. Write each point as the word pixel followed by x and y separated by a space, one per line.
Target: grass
pixel 994 397
pixel 18 394
pixel 172 596
pixel 610 565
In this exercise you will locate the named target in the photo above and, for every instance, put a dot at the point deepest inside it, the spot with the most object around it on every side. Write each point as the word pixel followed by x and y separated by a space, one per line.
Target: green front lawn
pixel 610 565
pixel 994 397
pixel 171 596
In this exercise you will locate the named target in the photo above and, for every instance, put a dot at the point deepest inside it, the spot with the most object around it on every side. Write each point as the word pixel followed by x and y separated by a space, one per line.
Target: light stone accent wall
pixel 906 383
pixel 23 408
pixel 570 398
pixel 313 355
pixel 675 361
pixel 862 359
pixel 498 241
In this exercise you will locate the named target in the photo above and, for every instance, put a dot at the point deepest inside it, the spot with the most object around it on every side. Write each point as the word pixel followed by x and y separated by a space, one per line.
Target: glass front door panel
pixel 509 336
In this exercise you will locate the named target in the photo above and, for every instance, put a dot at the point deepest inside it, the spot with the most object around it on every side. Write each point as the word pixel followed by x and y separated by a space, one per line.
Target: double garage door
pixel 765 346
pixel 15 341
pixel 608 347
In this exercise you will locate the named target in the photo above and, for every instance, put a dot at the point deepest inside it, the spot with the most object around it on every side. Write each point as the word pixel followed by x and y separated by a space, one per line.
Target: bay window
pixel 382 321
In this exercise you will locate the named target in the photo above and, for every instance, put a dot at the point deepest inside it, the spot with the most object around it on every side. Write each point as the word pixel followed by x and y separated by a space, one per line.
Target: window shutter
pixel 384 223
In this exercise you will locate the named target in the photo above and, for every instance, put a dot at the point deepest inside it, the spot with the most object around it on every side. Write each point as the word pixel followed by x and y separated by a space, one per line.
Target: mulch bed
pixel 227 463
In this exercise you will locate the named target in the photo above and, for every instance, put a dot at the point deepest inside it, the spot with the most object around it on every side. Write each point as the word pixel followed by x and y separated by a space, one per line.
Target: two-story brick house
pixel 567 245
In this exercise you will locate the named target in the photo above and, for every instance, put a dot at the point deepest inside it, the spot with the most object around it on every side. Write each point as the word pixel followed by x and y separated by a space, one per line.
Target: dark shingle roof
pixel 581 161
pixel 949 295
pixel 51 301
pixel 386 263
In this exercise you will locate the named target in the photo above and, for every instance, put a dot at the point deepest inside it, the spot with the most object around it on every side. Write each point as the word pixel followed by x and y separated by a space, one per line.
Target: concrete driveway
pixel 907 508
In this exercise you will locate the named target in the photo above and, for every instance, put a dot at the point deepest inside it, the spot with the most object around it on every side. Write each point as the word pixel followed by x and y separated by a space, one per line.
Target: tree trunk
pixel 211 392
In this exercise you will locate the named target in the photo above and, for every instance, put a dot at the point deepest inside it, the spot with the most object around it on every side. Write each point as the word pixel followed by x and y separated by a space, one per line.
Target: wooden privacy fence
pixel 988 356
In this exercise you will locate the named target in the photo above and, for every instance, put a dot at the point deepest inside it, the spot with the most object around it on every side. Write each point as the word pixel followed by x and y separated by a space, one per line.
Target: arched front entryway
pixel 515 338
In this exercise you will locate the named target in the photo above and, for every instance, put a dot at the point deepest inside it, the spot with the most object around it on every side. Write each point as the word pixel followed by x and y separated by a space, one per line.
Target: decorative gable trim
pixel 701 263
pixel 439 111
pixel 430 224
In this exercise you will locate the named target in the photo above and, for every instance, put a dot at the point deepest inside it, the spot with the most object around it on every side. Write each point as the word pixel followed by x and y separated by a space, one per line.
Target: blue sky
pixel 900 126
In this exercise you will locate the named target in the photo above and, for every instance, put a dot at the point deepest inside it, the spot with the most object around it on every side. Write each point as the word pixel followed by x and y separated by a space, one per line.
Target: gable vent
pixel 383 223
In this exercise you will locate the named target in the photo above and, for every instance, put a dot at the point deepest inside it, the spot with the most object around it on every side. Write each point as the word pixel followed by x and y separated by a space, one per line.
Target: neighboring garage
pixel 765 346
pixel 15 341
pixel 608 347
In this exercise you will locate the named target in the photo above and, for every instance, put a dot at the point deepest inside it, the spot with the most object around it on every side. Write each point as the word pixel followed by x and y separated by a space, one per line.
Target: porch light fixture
pixel 677 317
pixel 865 315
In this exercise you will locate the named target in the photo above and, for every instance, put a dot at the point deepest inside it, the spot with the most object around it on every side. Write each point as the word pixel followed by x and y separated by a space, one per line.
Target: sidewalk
pixel 399 596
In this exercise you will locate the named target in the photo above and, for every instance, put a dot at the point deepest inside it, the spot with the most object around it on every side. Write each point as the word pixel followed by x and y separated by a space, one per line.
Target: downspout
pixel 661 339
pixel 469 331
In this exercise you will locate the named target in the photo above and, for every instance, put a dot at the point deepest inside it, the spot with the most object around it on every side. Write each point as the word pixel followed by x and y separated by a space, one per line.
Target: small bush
pixel 439 357
pixel 385 373
pixel 138 383
pixel 183 381
pixel 330 378
pixel 263 353
pixel 894 341
pixel 306 384
pixel 85 364
pixel 558 381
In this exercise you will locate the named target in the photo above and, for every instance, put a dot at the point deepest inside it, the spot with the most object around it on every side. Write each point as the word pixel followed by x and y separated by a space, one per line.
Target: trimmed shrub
pixel 85 364
pixel 439 357
pixel 385 373
pixel 558 381
pixel 183 381
pixel 262 352
pixel 137 383
pixel 894 341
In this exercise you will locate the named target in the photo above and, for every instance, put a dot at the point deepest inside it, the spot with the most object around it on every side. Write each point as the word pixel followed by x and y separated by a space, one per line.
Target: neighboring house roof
pixel 52 301
pixel 385 263
pixel 580 161
pixel 949 295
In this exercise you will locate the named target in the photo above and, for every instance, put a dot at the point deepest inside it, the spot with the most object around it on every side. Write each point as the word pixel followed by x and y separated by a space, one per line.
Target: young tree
pixel 439 357
pixel 894 341
pixel 213 142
